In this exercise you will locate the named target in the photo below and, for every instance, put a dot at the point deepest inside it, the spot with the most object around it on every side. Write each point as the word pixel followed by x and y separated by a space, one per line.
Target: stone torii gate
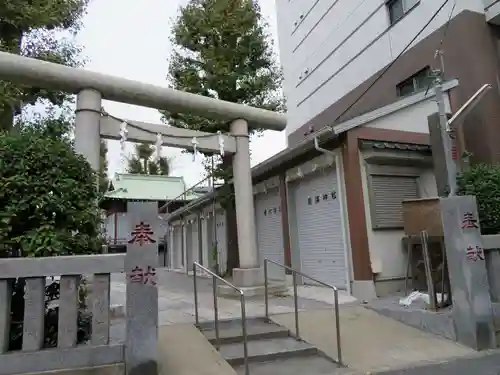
pixel 91 88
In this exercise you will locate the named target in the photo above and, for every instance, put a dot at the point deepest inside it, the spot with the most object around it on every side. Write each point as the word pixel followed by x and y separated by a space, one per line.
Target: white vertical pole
pixel 87 123
pixel 451 166
pixel 245 211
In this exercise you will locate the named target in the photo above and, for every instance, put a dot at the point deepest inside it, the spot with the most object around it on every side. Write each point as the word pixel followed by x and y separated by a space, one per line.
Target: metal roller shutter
pixel 177 248
pixel 388 194
pixel 221 241
pixel 192 243
pixel 210 240
pixel 269 231
pixel 319 228
pixel 195 241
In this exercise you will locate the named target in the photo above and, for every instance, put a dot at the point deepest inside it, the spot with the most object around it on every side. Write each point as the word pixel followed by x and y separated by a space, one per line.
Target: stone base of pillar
pixel 251 282
pixel 363 290
pixel 248 277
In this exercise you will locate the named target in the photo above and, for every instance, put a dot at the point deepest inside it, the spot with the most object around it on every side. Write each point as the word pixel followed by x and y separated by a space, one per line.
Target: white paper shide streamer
pixel 195 143
pixel 123 135
pixel 221 143
pixel 123 139
pixel 158 145
pixel 300 174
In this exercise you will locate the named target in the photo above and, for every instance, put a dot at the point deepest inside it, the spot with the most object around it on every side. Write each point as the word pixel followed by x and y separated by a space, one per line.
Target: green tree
pixel 142 162
pixel 483 181
pixel 223 51
pixel 47 208
pixel 43 30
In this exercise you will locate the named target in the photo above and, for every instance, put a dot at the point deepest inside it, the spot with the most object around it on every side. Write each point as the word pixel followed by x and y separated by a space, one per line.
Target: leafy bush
pixel 47 208
pixel 483 181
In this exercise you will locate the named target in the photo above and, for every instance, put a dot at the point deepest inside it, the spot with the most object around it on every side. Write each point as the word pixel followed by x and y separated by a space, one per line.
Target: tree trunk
pixel 233 258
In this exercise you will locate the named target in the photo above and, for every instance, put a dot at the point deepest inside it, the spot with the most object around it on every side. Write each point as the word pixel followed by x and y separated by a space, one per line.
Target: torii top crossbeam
pixel 33 72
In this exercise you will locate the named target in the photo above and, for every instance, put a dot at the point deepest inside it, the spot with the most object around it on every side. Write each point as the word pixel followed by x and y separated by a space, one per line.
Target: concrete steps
pixel 271 349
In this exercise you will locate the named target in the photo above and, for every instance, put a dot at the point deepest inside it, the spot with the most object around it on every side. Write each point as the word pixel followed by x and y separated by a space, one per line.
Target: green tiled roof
pixel 148 187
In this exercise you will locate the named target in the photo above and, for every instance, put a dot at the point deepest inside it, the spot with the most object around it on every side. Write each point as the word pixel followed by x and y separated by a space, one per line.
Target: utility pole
pixel 446 134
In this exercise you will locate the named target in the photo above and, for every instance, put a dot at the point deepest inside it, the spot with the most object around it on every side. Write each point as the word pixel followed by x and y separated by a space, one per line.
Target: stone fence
pixel 68 355
pixel 491 244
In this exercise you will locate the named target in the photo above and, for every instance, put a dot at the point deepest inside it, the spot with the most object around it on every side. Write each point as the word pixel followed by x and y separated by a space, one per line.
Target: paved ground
pixel 176 302
pixel 484 363
pixel 371 342
pixel 185 351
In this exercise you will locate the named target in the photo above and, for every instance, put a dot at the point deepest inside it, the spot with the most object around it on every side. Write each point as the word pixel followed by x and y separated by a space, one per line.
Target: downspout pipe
pixel 322 150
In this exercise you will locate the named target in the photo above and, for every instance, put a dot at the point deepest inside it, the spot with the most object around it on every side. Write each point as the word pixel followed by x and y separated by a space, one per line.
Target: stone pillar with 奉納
pixel 141 346
pixel 472 308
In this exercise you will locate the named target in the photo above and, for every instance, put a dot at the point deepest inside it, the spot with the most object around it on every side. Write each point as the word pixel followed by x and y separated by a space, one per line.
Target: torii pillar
pixel 249 274
pixel 87 126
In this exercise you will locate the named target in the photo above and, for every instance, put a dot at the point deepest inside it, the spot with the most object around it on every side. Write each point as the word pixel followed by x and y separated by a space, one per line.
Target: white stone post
pixel 248 274
pixel 87 120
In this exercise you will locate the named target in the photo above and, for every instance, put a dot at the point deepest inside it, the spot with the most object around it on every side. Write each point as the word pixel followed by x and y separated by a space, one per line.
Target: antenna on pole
pixel 440 53
pixel 447 135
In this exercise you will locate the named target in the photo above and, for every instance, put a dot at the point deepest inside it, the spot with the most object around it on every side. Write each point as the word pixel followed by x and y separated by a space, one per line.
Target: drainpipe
pixel 334 155
pixel 322 150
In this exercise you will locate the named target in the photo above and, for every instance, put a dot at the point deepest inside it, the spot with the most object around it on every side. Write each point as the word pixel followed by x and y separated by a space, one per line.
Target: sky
pixel 131 39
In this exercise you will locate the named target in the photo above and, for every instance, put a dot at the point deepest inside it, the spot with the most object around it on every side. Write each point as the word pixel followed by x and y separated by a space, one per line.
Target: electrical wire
pixel 386 69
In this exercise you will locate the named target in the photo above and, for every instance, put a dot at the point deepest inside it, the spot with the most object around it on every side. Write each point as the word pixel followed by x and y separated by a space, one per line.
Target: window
pixel 398 8
pixel 417 82
pixel 387 195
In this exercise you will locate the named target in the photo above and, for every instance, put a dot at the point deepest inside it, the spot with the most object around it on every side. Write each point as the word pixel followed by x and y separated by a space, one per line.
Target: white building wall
pixel 341 43
pixel 412 118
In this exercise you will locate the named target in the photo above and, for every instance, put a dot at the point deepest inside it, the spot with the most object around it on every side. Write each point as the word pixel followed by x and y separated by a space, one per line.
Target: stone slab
pixel 248 277
pixel 20 362
pixel 264 347
pixel 310 365
pixel 183 350
pixel 66 265
pixel 252 291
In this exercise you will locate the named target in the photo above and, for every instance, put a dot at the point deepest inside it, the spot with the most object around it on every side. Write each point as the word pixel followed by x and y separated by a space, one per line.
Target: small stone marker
pixel 141 346
pixel 472 309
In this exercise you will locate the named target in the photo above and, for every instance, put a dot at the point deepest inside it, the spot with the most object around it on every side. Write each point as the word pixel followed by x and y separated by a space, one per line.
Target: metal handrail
pixel 216 277
pixel 295 300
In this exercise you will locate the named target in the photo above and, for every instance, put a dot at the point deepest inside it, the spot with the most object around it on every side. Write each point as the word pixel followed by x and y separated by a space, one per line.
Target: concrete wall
pixel 328 47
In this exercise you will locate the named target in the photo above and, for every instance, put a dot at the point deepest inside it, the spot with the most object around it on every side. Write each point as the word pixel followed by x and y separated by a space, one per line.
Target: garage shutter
pixel 319 228
pixel 388 194
pixel 177 248
pixel 221 241
pixel 269 231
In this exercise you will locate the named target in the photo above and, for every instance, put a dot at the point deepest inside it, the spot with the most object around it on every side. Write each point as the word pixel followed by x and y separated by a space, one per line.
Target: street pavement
pixel 484 363
pixel 176 301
